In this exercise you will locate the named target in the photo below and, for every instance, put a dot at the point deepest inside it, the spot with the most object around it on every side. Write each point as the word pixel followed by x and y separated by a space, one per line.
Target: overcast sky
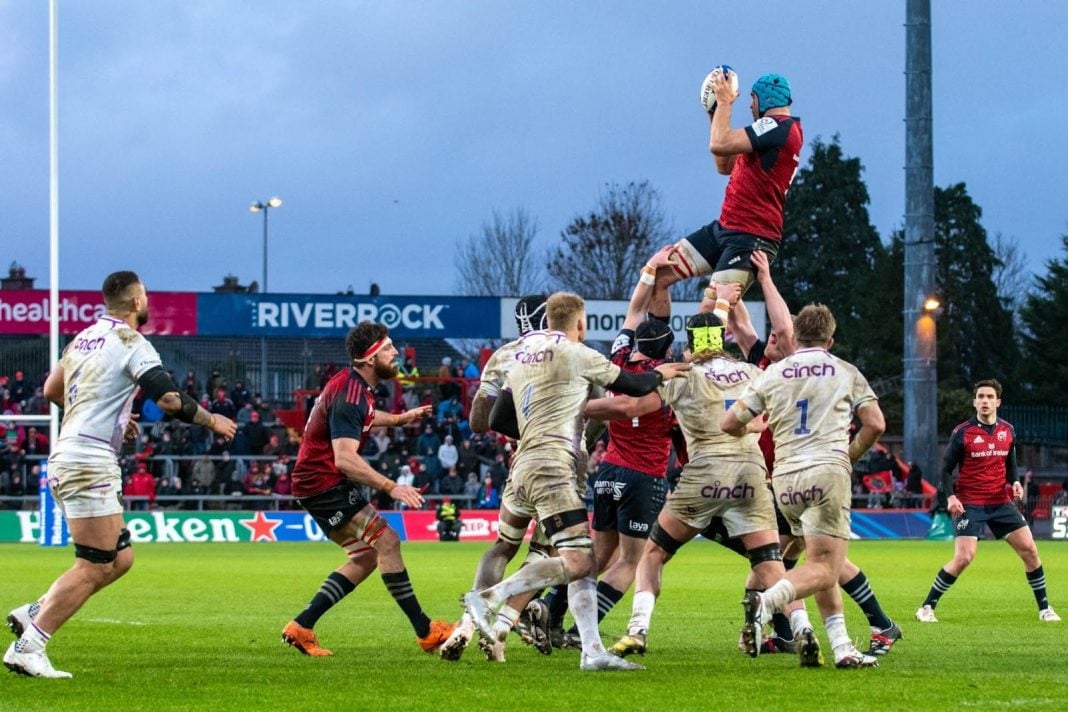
pixel 393 129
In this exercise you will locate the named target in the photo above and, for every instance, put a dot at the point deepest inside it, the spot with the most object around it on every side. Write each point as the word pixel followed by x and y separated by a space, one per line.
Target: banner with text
pixel 316 315
pixel 28 312
pixel 478 525
pixel 604 319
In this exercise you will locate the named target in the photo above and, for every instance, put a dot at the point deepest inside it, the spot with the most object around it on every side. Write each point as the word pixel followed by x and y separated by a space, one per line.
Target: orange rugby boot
pixel 303 639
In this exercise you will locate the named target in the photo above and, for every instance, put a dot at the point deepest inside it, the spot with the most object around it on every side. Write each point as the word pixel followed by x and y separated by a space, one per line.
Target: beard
pixel 385 371
pixel 142 317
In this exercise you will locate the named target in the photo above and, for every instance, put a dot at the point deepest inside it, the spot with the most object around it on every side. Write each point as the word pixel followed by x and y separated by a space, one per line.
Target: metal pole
pixel 263 339
pixel 921 358
pixel 53 207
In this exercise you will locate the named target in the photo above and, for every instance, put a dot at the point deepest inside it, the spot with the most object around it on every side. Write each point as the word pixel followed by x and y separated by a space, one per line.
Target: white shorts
pixel 85 491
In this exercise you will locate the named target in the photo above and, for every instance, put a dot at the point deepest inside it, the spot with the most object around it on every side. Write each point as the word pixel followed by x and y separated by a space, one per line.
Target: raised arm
pixel 724 142
pixel 782 324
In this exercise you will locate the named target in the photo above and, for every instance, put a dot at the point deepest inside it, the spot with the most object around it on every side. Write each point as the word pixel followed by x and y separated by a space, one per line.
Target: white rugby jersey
pixel 100 371
pixel 496 368
pixel 700 398
pixel 810 398
pixel 550 380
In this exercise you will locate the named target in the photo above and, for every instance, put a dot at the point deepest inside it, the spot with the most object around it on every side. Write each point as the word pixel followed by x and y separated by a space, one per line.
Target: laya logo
pixel 345 315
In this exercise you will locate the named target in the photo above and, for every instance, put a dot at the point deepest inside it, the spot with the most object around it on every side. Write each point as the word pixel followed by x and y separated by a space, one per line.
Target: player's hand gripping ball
pixel 708 94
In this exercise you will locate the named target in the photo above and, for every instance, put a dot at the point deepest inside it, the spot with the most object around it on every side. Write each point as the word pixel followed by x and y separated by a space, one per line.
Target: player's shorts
pixel 626 501
pixel 732 490
pixel 1003 519
pixel 717 531
pixel 723 253
pixel 816 501
pixel 85 491
pixel 540 489
pixel 336 506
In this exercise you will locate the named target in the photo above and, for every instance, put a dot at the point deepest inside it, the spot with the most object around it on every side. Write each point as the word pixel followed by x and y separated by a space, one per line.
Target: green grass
pixel 196 626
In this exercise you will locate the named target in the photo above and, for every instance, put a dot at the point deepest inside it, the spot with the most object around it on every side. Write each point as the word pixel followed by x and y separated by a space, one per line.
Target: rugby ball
pixel 708 96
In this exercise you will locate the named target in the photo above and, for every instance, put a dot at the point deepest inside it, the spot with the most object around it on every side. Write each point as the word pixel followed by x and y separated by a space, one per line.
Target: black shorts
pixel 626 501
pixel 1003 519
pixel 729 249
pixel 334 507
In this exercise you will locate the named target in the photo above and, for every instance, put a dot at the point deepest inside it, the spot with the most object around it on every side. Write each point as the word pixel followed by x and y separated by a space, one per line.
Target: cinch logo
pixel 808 496
pixel 345 315
pixel 817 369
pixel 717 491
pixel 731 378
pixel 527 357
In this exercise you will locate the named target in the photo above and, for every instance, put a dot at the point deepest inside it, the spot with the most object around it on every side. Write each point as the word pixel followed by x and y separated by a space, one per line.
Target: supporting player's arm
pixel 872 426
pixel 158 385
pixel 348 461
pixel 782 323
pixel 1012 475
pixel 503 418
pixel 738 322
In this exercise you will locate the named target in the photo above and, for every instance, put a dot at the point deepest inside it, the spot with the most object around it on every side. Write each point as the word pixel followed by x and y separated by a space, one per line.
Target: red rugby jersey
pixel 642 444
pixel 985 459
pixel 344 409
pixel 756 191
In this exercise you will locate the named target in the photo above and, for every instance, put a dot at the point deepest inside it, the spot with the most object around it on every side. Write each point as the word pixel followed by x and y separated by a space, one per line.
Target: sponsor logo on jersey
pixel 803 371
pixel 738 376
pixel 978 439
pixel 764 125
pixel 806 496
pixel 637 526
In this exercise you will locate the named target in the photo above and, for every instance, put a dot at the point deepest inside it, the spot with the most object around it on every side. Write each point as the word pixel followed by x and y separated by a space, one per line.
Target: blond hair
pixel 563 310
pixel 814 325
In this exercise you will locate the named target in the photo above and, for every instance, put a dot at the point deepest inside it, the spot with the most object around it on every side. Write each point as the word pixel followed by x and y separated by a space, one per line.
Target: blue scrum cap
pixel 772 91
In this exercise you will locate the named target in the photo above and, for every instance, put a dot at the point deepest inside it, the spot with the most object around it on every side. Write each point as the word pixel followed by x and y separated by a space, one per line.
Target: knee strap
pixel 95 556
pixel 536 552
pixel 558 522
pixel 124 540
pixel 760 554
pixel 664 540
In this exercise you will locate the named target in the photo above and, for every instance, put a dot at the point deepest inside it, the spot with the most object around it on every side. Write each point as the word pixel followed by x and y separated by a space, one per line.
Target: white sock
pixel 33 640
pixel 799 621
pixel 582 602
pixel 776 597
pixel 641 612
pixel 535 576
pixel 836 631
pixel 506 618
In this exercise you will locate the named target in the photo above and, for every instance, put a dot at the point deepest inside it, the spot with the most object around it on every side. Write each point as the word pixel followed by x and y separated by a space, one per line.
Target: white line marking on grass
pixel 113 621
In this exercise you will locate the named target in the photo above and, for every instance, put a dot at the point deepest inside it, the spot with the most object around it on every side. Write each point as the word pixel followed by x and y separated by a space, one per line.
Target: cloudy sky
pixel 393 129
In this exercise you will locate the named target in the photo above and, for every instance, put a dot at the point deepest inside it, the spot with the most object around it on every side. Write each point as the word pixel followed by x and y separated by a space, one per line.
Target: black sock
pixel 334 588
pixel 942 582
pixel 1037 579
pixel 556 600
pixel 606 598
pixel 859 590
pixel 400 587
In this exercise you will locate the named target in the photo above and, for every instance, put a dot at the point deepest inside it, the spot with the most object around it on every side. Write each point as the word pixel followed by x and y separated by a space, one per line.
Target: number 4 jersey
pixel 810 398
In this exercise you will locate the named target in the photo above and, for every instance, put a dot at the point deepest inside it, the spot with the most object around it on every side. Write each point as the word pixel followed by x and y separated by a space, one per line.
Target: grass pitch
pixel 197 626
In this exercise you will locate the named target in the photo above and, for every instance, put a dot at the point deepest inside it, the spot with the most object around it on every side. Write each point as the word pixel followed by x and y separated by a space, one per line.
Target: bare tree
pixel 501 260
pixel 602 253
pixel 1011 277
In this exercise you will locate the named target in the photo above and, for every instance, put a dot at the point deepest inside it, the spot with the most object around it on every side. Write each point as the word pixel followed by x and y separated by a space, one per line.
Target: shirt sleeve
pixel 492 377
pixel 767 133
pixel 756 352
pixel 622 346
pixel 347 418
pixel 1011 473
pixel 951 459
pixel 142 358
pixel 862 392
pixel 753 396
pixel 596 368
